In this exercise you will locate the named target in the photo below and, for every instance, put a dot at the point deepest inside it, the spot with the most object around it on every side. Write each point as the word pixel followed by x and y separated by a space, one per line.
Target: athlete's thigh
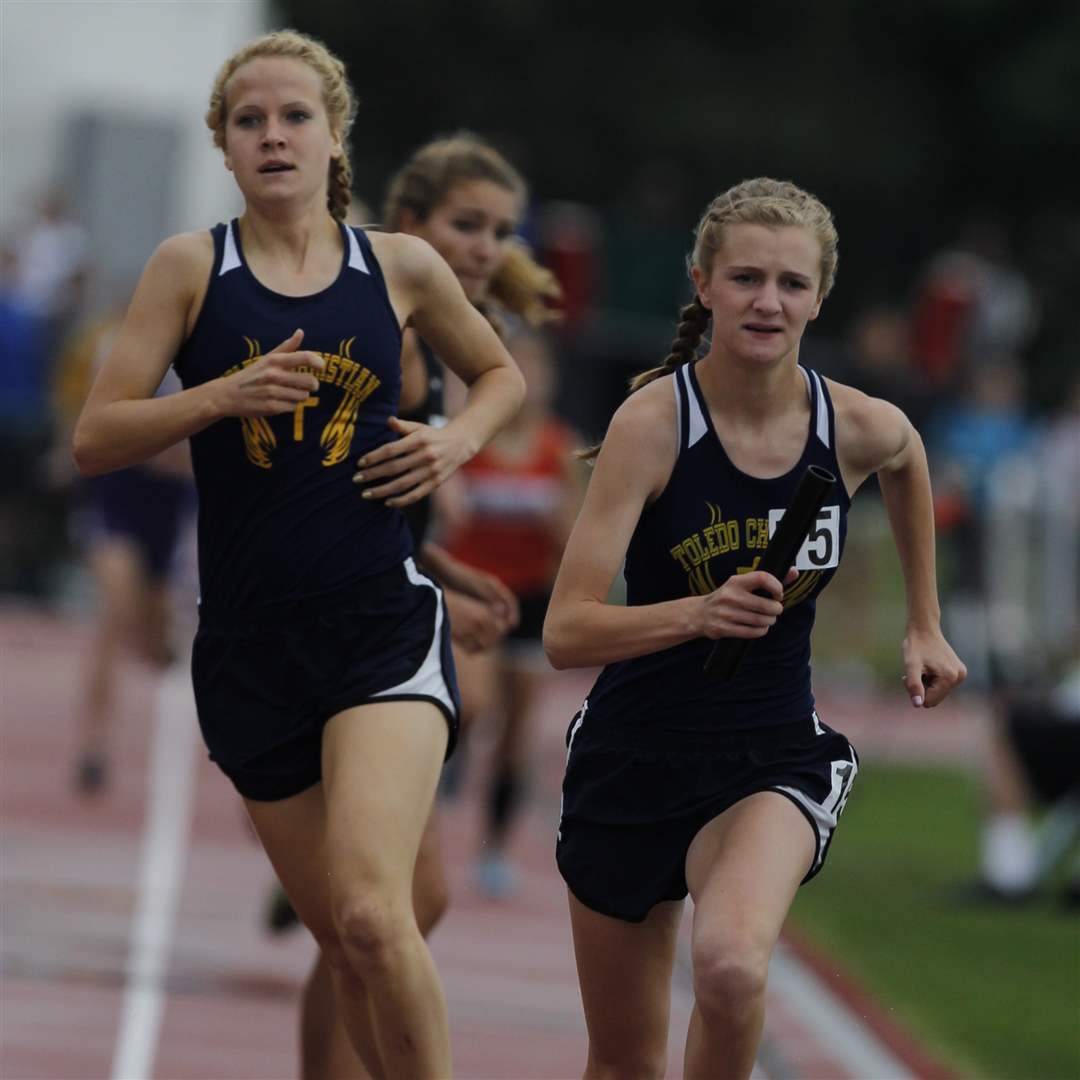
pixel 624 970
pixel 380 766
pixel 293 834
pixel 744 867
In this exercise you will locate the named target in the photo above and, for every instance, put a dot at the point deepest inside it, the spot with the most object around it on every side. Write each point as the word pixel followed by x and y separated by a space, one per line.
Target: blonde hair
pixel 338 98
pixel 762 201
pixel 520 285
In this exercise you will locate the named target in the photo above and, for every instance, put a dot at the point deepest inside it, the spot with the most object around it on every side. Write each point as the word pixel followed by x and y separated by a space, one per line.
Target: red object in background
pixel 940 327
pixel 513 505
pixel 569 236
pixel 950 510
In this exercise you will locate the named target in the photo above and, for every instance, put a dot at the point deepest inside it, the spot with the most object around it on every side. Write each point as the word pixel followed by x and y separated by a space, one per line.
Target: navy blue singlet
pixel 279 516
pixel 711 521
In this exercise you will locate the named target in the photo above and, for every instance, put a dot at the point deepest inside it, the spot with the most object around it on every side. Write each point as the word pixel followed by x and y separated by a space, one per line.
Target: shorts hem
pixel 602 909
pixel 268 789
pixel 452 722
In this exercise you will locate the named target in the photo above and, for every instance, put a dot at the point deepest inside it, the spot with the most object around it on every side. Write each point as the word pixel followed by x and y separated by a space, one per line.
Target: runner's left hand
pixel 931 668
pixel 412 466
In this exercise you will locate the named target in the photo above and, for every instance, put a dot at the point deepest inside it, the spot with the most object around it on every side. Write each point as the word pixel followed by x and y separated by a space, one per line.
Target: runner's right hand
pixel 273 384
pixel 737 610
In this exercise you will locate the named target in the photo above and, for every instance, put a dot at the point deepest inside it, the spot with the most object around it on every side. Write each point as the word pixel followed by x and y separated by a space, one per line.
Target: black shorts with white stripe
pixel 629 816
pixel 267 683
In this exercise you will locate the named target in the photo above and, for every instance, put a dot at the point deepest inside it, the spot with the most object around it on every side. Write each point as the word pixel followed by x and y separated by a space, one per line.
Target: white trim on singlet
pixel 813 386
pixel 429 679
pixel 230 258
pixel 678 410
pixel 356 255
pixel 698 427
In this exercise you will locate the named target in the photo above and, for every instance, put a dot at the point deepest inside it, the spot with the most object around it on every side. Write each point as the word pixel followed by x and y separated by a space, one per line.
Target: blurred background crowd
pixel 936 132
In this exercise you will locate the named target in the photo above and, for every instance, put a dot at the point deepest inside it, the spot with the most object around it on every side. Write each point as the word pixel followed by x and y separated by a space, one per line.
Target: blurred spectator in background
pixel 968 441
pixel 972 302
pixel 878 359
pixel 27 515
pixel 129 524
pixel 1007 506
pixel 622 284
pixel 51 263
pixel 521 496
pixel 570 245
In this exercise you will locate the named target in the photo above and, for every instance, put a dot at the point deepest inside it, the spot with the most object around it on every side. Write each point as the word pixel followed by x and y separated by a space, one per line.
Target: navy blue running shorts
pixel 629 815
pixel 266 684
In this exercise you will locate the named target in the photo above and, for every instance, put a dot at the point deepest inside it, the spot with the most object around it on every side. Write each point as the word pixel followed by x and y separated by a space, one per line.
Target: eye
pixel 503 233
pixel 466 226
pixel 742 278
pixel 297 116
pixel 249 120
pixel 796 283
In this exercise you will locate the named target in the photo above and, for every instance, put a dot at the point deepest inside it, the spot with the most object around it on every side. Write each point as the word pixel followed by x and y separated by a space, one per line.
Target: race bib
pixel 821 551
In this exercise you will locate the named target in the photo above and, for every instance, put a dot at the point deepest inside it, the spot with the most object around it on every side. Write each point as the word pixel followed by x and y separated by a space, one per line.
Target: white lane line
pixel 164 847
pixel 849 1041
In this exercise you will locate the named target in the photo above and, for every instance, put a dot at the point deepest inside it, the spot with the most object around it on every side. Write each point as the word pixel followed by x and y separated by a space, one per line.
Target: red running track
pixel 226 991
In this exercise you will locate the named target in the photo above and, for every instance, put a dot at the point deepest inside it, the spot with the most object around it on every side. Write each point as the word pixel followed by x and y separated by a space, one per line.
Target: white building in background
pixel 105 99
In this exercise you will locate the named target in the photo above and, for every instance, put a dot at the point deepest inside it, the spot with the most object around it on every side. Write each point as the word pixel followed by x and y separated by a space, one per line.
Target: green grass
pixel 993 992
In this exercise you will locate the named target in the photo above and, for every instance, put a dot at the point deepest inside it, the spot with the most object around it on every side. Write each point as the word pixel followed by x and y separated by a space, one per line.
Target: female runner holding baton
pixel 677 781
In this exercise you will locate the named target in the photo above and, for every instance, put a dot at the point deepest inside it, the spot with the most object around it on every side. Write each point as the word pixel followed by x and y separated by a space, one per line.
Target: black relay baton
pixel 777 559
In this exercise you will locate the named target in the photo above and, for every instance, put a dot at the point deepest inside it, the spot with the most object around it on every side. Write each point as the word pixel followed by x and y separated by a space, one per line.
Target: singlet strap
pixel 690 418
pixel 356 254
pixel 821 420
pixel 230 256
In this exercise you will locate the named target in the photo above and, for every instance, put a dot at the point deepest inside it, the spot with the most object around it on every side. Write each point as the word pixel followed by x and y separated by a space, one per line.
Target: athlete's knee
pixel 371 931
pixel 729 976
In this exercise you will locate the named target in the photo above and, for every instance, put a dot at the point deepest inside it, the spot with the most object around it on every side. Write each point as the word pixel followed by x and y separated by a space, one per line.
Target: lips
pixel 276 167
pixel 761 328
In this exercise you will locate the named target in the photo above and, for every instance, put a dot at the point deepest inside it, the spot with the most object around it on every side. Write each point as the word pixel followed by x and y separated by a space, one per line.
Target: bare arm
pixel 122 423
pixel 581 628
pixel 876 437
pixel 425 290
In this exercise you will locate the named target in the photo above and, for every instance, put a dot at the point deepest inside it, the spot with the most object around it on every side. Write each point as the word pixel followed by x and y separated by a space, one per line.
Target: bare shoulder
pixel 404 258
pixel 643 436
pixel 870 432
pixel 174 283
pixel 189 254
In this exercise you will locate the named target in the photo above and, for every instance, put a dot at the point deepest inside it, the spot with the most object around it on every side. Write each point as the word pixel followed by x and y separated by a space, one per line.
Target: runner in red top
pixel 518 501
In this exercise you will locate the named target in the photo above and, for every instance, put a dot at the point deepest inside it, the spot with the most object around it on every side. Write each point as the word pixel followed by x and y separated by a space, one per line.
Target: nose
pixel 487 246
pixel 272 135
pixel 768 298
